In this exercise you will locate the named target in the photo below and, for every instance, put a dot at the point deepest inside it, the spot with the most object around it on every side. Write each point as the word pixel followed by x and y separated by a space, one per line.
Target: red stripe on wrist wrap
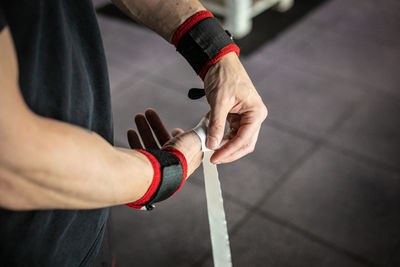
pixel 138 204
pixel 226 50
pixel 189 24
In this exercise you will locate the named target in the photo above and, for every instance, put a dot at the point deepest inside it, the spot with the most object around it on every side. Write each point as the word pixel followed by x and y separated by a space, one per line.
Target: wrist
pixel 230 59
pixel 189 144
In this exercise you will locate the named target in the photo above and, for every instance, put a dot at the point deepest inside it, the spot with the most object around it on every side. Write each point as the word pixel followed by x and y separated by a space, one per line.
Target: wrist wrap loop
pixel 203 42
pixel 170 171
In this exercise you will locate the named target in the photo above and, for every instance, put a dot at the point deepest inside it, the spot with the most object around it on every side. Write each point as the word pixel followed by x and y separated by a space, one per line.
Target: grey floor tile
pixel 326 14
pixel 176 109
pixel 119 43
pixel 118 75
pixel 344 56
pixel 380 24
pixel 305 101
pixel 249 178
pixel 122 64
pixel 134 47
pixel 377 21
pixel 257 67
pixel 373 130
pixel 297 33
pixel 287 41
pixel 260 242
pixel 119 68
pixel 176 233
pixel 179 73
pixel 348 203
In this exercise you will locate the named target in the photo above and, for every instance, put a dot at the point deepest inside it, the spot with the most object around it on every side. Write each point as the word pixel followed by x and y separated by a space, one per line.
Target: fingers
pixel 242 151
pixel 234 121
pixel 216 127
pixel 158 126
pixel 243 134
pixel 133 139
pixel 145 132
pixel 177 131
pixel 241 144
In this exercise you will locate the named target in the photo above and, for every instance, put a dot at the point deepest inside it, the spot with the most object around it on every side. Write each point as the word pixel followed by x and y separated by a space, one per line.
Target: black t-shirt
pixel 62 75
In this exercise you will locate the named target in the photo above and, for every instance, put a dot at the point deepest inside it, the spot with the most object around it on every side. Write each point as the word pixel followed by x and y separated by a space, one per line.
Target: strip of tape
pixel 201 131
pixel 215 207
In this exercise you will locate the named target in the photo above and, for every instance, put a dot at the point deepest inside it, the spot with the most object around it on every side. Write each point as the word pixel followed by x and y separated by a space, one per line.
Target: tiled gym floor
pixel 322 187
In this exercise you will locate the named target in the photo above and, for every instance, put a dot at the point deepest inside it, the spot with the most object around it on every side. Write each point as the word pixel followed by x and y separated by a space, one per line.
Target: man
pixel 58 169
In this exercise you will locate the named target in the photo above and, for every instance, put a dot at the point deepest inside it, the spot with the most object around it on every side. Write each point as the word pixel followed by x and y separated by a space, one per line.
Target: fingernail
pixel 211 142
pixel 216 162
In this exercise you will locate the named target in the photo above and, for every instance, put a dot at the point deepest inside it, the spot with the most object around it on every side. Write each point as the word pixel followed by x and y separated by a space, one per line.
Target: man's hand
pixel 186 142
pixel 232 98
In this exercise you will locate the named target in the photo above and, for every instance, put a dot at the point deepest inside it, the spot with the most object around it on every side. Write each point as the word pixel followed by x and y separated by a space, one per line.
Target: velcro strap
pixel 170 170
pixel 189 24
pixel 204 44
pixel 171 175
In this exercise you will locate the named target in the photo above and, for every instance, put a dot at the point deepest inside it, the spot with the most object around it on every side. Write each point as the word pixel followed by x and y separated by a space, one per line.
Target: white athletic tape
pixel 215 207
pixel 201 130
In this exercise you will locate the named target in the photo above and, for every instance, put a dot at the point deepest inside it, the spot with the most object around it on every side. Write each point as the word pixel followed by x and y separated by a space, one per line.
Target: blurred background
pixel 322 187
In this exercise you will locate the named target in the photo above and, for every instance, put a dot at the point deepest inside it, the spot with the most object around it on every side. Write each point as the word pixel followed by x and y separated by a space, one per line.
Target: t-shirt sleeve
pixel 3 22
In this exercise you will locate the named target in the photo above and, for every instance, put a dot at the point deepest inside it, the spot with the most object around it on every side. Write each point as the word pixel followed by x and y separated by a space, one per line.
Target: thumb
pixel 216 125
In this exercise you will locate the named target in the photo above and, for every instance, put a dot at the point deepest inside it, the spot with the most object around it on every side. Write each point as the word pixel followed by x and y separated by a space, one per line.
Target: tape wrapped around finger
pixel 201 131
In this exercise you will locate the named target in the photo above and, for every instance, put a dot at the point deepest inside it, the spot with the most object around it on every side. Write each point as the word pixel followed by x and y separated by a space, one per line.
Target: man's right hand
pixel 186 142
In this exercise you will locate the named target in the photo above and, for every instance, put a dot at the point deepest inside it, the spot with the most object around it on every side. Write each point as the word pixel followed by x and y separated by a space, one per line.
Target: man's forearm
pixel 54 165
pixel 48 164
pixel 162 16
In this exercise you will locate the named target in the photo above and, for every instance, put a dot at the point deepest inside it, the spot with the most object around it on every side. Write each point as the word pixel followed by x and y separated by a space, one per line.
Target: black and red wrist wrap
pixel 203 42
pixel 170 171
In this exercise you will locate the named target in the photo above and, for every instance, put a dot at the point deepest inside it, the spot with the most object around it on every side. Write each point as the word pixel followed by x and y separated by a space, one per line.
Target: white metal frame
pixel 238 14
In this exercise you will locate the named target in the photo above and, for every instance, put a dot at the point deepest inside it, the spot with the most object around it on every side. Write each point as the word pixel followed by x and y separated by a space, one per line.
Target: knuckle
pixel 264 111
pixel 223 100
pixel 251 149
pixel 218 126
pixel 246 148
